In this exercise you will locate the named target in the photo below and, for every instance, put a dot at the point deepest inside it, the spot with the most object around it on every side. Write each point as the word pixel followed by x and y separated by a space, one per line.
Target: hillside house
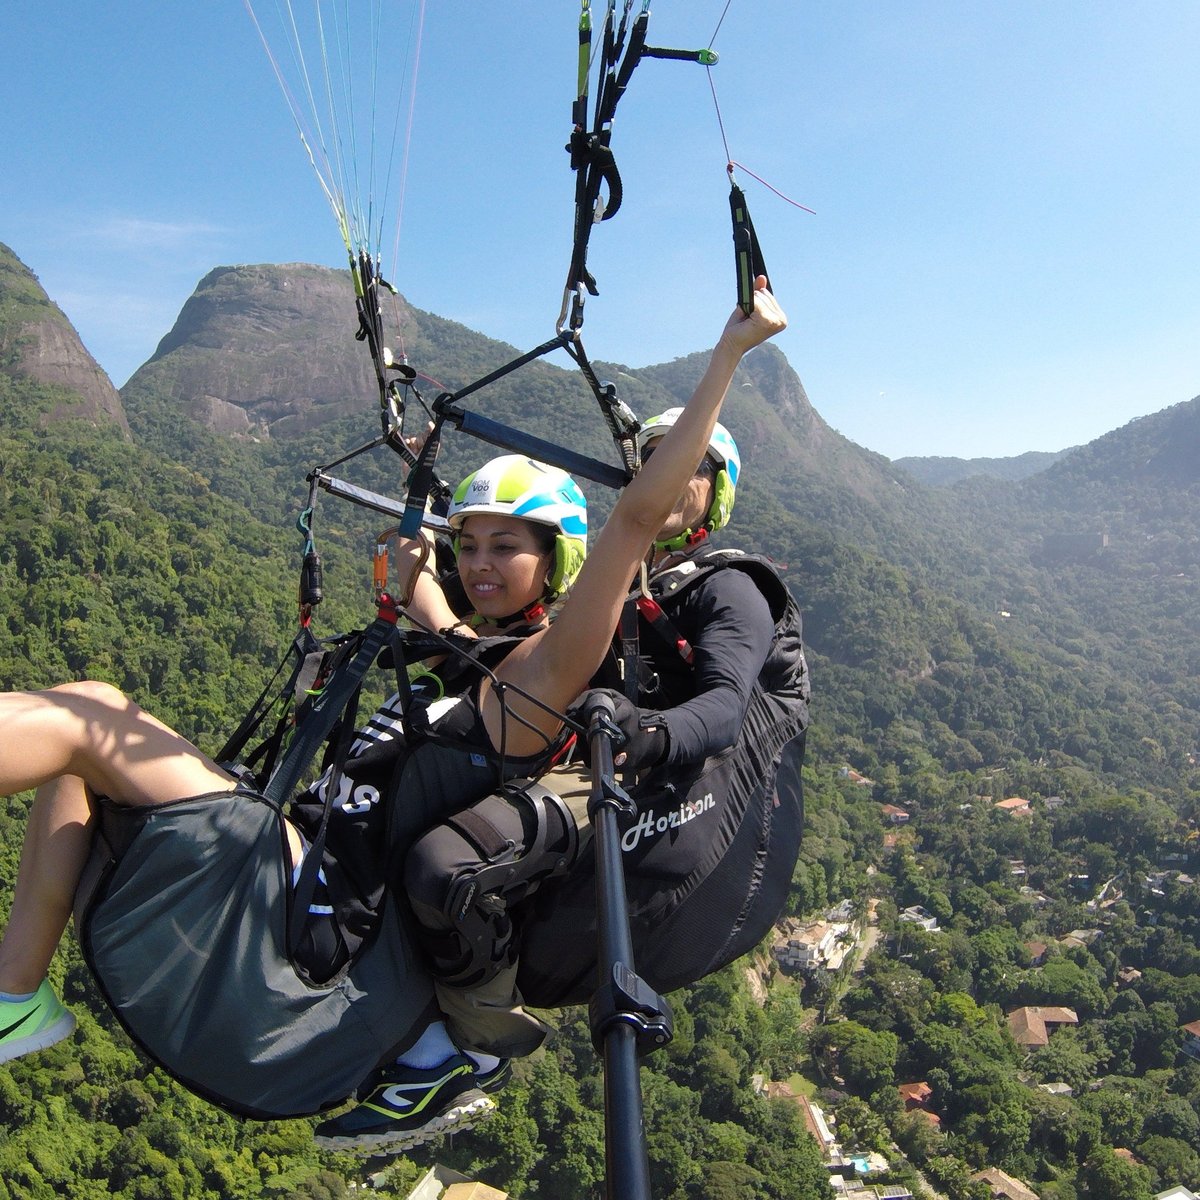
pixel 916 915
pixel 818 1126
pixel 811 947
pixel 814 1118
pixel 855 777
pixel 916 1098
pixel 1037 953
pixel 1016 806
pixel 894 814
pixel 1058 1088
pixel 914 1095
pixel 443 1183
pixel 1191 1039
pixel 1003 1186
pixel 1032 1026
pixel 1127 977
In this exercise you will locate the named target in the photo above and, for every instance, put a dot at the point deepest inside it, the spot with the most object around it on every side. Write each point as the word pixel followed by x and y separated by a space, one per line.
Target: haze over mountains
pixel 941 470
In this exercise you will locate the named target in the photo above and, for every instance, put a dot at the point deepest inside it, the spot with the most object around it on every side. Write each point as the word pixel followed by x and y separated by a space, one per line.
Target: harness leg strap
pixel 463 876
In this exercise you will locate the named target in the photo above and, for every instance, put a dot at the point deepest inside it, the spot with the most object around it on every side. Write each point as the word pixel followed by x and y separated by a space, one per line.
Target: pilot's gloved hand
pixel 644 730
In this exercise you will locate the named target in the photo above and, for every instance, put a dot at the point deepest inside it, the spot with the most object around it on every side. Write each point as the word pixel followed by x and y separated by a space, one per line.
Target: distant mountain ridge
pixel 263 351
pixel 939 471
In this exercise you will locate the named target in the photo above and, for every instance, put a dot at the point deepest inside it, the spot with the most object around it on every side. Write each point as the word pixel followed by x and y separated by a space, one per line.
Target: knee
pixel 84 717
pixel 433 863
pixel 92 692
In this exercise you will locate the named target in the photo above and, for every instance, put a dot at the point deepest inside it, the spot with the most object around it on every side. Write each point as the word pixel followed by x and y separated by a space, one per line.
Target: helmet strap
pixel 686 540
pixel 532 614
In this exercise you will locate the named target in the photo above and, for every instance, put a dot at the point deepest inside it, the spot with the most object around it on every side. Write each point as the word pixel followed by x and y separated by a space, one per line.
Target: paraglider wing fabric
pixel 185 931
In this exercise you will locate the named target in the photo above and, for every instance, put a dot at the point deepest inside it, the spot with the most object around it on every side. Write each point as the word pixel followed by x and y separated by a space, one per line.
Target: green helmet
pixel 515 486
pixel 723 450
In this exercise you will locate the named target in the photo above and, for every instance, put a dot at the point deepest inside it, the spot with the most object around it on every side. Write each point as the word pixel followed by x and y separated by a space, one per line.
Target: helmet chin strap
pixel 533 614
pixel 685 540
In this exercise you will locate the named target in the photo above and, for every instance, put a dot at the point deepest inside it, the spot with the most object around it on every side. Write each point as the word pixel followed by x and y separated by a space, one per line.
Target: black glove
pixel 644 735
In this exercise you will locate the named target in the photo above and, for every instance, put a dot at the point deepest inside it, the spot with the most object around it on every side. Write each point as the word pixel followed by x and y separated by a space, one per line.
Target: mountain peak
pixel 265 350
pixel 38 342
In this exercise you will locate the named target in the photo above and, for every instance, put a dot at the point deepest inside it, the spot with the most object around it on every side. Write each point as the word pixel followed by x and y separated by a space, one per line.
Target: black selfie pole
pixel 627 1017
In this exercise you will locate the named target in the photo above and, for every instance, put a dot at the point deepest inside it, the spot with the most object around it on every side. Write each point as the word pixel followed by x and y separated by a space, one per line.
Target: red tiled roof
pixel 914 1093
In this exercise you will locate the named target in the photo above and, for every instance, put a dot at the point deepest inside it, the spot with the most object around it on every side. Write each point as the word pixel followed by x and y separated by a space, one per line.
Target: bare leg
pixel 92 731
pixel 56 846
pixel 66 742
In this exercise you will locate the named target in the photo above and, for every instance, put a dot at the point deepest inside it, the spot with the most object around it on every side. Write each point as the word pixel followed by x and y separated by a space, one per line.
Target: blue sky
pixel 1003 255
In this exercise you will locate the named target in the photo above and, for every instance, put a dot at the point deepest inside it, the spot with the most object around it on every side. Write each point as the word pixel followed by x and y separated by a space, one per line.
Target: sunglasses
pixel 707 469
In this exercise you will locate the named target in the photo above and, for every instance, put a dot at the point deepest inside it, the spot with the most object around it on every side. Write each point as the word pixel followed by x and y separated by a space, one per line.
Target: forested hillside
pixel 961 656
pixel 910 588
pixel 118 564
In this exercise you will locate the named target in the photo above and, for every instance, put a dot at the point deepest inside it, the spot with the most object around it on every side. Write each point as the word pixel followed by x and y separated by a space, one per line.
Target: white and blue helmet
pixel 722 449
pixel 515 486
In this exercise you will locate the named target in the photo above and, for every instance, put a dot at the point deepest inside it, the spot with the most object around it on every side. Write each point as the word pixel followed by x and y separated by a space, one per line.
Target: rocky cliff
pixel 38 342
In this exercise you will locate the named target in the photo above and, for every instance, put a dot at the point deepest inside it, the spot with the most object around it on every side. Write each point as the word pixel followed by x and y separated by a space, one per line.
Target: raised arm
pixel 426 601
pixel 556 664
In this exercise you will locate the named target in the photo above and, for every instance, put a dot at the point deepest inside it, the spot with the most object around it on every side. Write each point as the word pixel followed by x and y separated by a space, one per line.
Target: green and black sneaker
pixel 494 1078
pixel 407 1107
pixel 33 1024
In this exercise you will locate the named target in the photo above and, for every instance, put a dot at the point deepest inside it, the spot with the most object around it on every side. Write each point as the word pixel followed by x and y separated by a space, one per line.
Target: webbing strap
pixel 622 424
pixel 310 870
pixel 481 833
pixel 663 625
pixel 370 318
pixel 591 155
pixel 327 707
pixel 630 650
pixel 302 646
pixel 633 56
pixel 421 482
